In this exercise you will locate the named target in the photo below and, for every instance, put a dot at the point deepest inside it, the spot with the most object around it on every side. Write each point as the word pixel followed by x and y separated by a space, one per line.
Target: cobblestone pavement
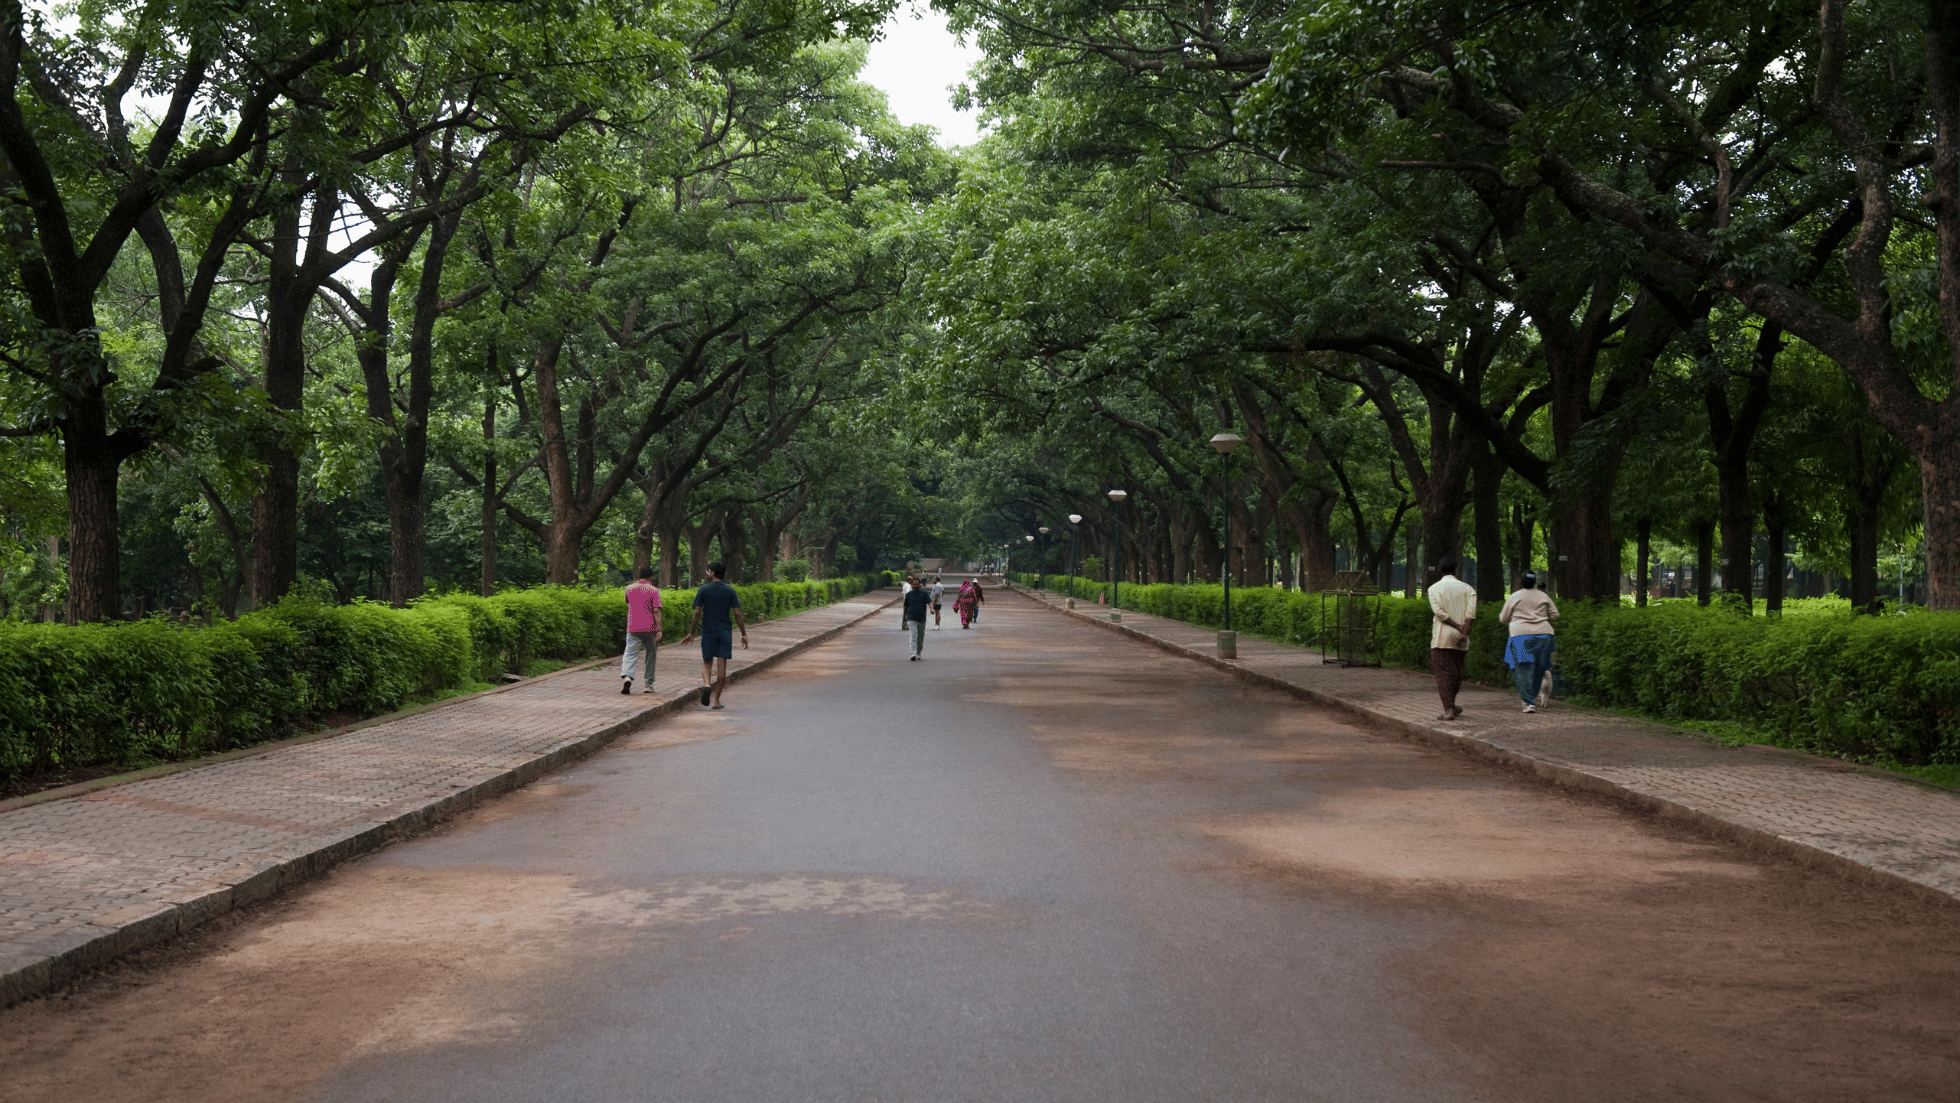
pixel 87 878
pixel 1871 820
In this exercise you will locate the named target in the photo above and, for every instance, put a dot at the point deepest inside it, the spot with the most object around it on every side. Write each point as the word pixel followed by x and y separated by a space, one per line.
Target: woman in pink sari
pixel 966 602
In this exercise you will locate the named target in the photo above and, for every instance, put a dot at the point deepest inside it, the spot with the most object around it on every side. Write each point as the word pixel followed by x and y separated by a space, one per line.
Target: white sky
pixel 916 64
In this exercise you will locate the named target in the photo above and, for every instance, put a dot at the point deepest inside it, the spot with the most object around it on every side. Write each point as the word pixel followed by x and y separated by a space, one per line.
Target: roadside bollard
pixel 1228 645
pixel 1071 603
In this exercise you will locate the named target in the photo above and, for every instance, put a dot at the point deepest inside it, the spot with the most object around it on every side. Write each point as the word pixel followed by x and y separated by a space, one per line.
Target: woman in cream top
pixel 1530 614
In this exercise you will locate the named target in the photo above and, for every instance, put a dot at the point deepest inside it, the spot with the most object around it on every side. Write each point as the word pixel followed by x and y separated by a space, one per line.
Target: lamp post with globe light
pixel 1226 444
pixel 1118 497
pixel 1040 571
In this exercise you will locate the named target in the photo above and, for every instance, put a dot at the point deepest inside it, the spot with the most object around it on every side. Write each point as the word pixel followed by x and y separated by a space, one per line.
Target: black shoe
pixel 626 685
pixel 704 694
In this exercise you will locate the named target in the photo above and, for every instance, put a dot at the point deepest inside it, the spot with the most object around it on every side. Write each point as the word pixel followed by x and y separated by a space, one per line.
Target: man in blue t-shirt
pixel 714 603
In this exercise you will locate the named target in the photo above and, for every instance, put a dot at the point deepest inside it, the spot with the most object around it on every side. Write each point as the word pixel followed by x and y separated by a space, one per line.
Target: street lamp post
pixel 1228 640
pixel 1116 576
pixel 1040 568
pixel 1074 535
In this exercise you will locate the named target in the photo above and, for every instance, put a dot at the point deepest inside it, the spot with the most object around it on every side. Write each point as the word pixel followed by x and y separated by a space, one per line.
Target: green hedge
pixel 1881 688
pixel 125 692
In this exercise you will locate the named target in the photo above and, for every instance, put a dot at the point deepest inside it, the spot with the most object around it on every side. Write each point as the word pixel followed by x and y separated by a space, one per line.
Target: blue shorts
pixel 717 645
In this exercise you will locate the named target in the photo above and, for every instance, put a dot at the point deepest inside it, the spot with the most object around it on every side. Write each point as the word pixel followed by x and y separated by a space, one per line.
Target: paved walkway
pixel 1858 820
pixel 88 878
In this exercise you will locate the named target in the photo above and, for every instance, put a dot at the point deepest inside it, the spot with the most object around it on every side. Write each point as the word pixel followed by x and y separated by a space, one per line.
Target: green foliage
pixel 121 692
pixel 792 570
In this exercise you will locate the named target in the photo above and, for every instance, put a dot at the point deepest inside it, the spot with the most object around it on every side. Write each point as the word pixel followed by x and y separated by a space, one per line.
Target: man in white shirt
pixel 1452 607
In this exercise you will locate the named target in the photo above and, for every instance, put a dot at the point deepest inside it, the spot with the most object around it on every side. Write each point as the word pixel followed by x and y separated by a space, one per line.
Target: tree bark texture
pixel 1776 528
pixel 1487 478
pixel 1704 560
pixel 1643 549
pixel 94 550
pixel 488 534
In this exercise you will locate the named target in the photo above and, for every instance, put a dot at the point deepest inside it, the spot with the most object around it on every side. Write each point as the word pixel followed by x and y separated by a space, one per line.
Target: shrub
pixel 122 692
pixel 1884 688
pixel 792 570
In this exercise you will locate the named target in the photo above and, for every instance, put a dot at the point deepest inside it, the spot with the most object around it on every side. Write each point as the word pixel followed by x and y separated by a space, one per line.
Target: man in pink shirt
pixel 642 629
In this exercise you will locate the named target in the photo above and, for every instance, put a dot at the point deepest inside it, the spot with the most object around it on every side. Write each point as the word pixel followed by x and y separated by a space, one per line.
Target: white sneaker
pixel 1531 708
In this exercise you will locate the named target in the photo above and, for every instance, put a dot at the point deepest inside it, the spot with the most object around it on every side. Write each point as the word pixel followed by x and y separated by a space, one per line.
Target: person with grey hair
pixel 918 604
pixel 1530 614
pixel 1452 606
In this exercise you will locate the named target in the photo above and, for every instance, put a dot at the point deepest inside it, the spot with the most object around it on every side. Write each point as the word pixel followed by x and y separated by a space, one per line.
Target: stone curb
pixel 1552 773
pixel 67 956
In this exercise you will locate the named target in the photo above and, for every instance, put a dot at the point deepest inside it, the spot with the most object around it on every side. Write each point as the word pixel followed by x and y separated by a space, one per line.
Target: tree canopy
pixel 371 298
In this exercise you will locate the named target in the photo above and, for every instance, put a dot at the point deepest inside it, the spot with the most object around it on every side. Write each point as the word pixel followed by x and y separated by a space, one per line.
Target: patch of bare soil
pixel 1607 958
pixel 1784 985
pixel 257 1006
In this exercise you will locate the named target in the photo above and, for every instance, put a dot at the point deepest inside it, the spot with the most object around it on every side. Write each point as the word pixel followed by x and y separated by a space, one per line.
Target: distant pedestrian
pixel 979 596
pixel 1452 606
pixel 938 595
pixel 642 630
pixel 714 603
pixel 1530 614
pixel 904 588
pixel 917 603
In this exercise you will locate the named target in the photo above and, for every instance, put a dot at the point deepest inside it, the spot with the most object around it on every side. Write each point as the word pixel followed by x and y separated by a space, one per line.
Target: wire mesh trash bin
pixel 1350 620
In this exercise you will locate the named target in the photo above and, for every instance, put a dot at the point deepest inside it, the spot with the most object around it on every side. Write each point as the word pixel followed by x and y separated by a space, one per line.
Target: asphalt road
pixel 1044 864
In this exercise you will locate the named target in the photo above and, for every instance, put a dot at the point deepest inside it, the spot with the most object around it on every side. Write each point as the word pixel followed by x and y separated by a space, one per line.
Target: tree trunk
pixel 1940 482
pixel 561 555
pixel 1862 526
pixel 1181 537
pixel 275 523
pixel 292 279
pixel 1704 559
pixel 1209 555
pixel 1644 547
pixel 94 551
pixel 1487 478
pixel 667 541
pixel 734 545
pixel 1776 527
pixel 1314 528
pixel 1733 438
pixel 489 534
pixel 1412 574
pixel 407 520
pixel 562 533
pixel 1521 562
pixel 406 458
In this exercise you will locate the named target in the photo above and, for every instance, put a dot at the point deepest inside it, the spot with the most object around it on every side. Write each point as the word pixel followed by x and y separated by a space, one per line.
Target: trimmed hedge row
pixel 122 692
pixel 1883 688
